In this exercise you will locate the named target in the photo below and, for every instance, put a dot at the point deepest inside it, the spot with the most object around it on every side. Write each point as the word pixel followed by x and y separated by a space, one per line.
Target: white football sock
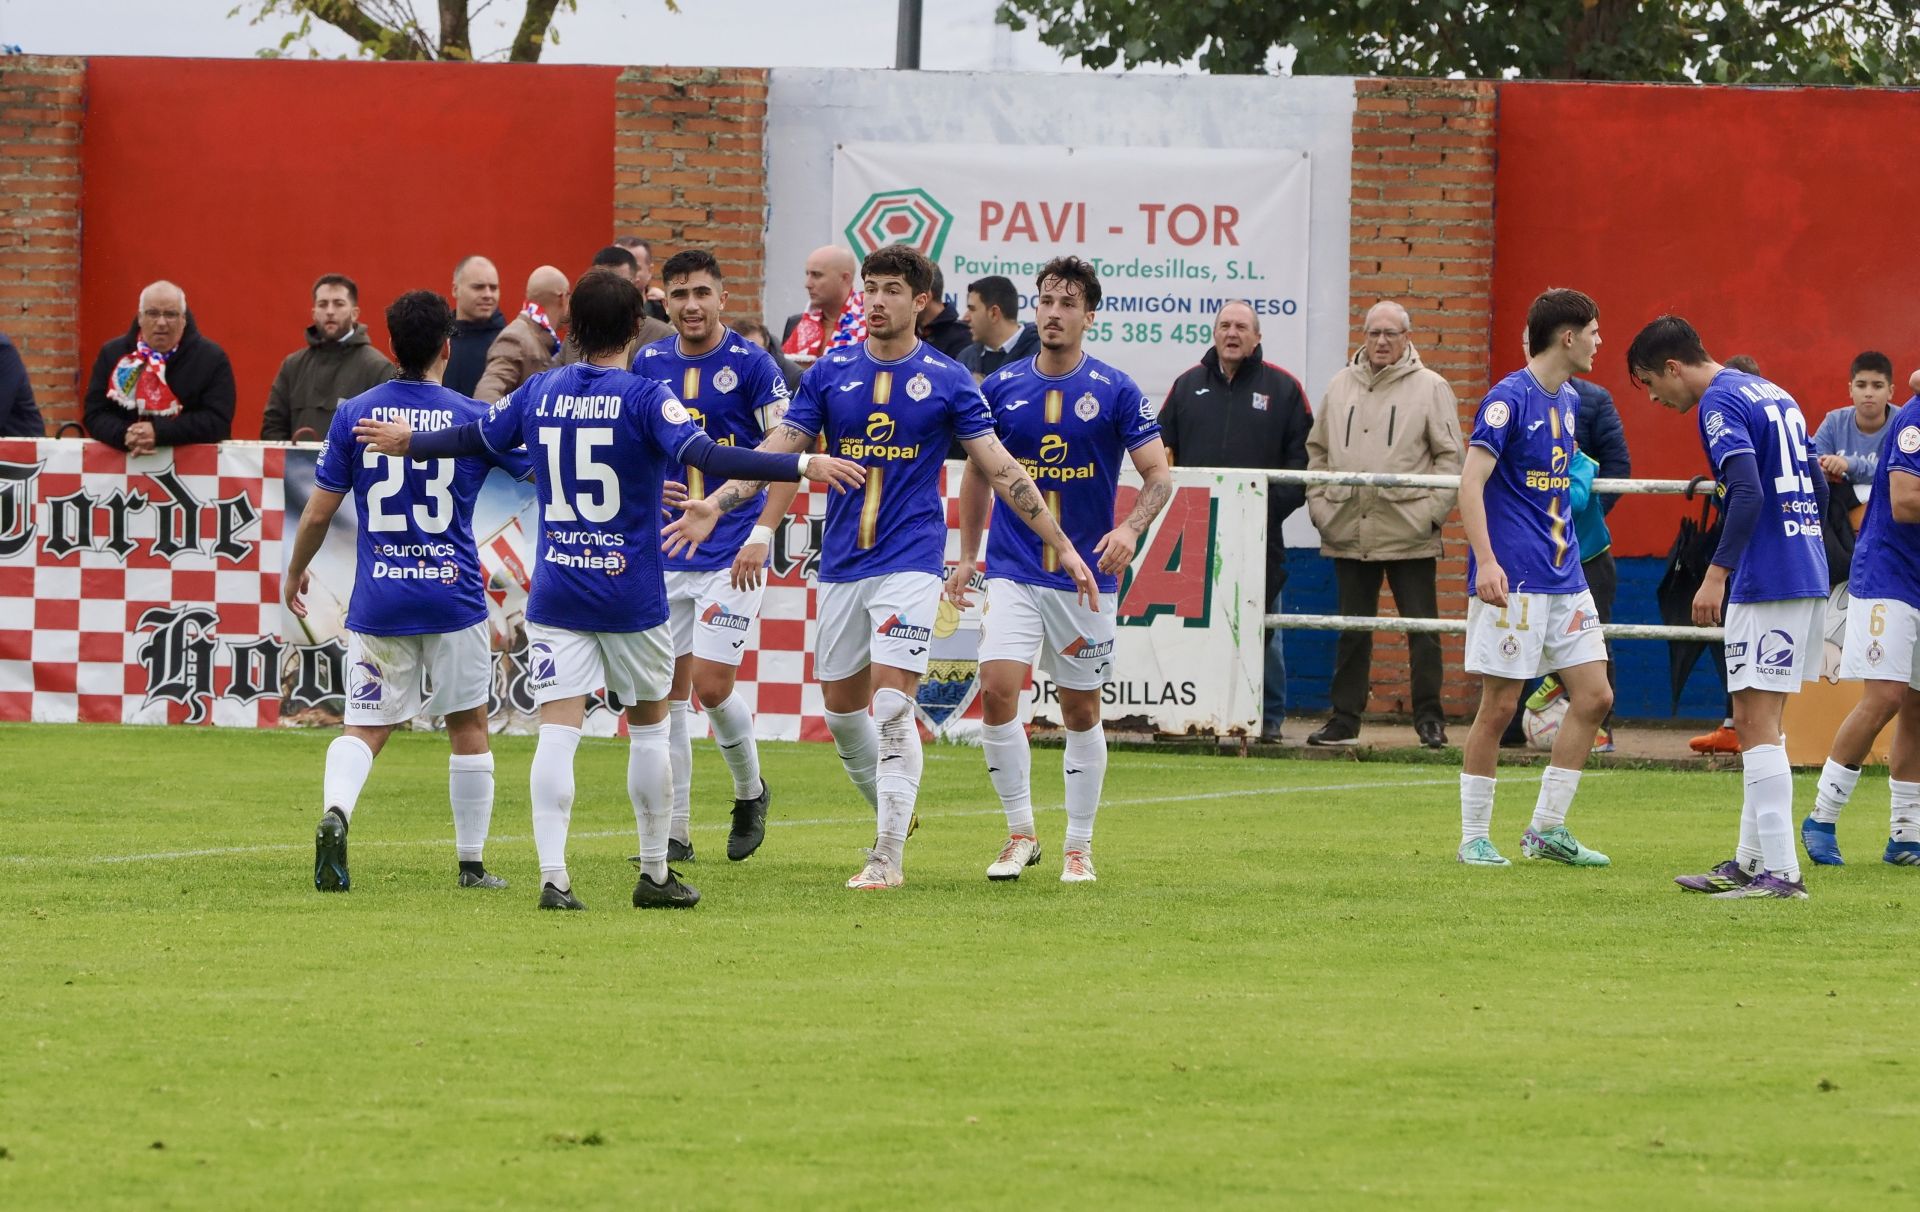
pixel 1904 825
pixel 1085 765
pixel 680 757
pixel 470 790
pixel 551 783
pixel 1769 783
pixel 1010 770
pixel 1557 785
pixel 733 729
pixel 899 769
pixel 349 761
pixel 858 743
pixel 1837 782
pixel 650 787
pixel 1476 807
pixel 1747 854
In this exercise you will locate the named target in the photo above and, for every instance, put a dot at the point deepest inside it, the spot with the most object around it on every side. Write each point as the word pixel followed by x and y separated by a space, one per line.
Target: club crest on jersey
pixel 717 615
pixel 1910 440
pixel 726 380
pixel 1259 401
pixel 1497 415
pixel 919 387
pixel 540 663
pixel 1509 647
pixel 674 411
pixel 1086 407
pixel 367 688
pixel 1775 653
pixel 896 628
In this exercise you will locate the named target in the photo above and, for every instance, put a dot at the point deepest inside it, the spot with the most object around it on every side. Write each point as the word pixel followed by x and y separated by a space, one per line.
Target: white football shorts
pixel 1883 641
pixel 1533 634
pixel 1075 644
pixel 1775 645
pixel 387 675
pixel 708 617
pixel 634 666
pixel 888 618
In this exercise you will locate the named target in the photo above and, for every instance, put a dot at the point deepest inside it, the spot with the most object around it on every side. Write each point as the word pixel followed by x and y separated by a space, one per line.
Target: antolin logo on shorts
pixel 1582 621
pixel 717 615
pixel 895 628
pixel 1083 649
pixel 900 216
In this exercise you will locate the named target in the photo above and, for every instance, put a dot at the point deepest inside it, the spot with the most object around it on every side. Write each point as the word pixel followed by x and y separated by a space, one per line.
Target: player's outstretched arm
pixel 751 559
pixel 753 469
pixel 312 532
pixel 1490 580
pixel 1117 546
pixel 976 501
pixel 1015 487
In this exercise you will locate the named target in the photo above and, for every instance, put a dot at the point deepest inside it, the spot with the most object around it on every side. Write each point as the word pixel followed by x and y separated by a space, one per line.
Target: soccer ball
pixel 1542 724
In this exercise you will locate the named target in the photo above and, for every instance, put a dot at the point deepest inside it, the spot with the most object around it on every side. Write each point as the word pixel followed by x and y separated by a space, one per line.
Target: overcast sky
pixel 958 34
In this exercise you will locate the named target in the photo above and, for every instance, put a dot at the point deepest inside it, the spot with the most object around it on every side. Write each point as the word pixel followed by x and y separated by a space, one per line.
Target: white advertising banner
pixel 1174 233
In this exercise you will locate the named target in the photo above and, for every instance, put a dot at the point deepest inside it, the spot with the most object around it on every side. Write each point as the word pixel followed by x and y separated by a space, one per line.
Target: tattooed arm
pixel 1117 547
pixel 1014 486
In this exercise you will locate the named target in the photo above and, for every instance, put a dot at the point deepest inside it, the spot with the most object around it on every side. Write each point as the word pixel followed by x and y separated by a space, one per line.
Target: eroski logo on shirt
pixel 718 615
pixel 896 628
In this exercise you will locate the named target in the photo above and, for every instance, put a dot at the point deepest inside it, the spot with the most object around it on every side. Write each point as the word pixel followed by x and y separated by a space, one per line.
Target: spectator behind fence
pixel 1384 412
pixel 19 415
pixel 621 263
pixel 476 322
pixel 993 320
pixel 1849 439
pixel 530 343
pixel 836 314
pixel 338 363
pixel 642 253
pixel 938 324
pixel 759 334
pixel 1235 410
pixel 162 384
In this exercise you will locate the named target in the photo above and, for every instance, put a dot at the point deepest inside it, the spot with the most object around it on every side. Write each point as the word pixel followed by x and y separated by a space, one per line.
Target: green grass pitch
pixel 1282 993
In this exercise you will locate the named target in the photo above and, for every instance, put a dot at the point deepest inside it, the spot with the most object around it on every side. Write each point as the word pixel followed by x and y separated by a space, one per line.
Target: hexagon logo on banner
pixel 900 216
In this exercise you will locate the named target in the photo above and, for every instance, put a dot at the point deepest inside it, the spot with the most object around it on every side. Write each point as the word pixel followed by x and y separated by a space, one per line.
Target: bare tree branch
pixel 532 36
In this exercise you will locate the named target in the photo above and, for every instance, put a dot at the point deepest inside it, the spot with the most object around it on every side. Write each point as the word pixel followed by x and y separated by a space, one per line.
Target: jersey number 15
pixel 563 504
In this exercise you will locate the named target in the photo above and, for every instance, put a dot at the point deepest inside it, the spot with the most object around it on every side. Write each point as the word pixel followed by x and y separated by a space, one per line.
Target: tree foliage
pixel 395 29
pixel 1725 41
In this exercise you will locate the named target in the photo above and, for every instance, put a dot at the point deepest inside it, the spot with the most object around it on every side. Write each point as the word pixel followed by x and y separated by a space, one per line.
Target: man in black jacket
pixel 19 415
pixel 993 317
pixel 162 384
pixel 939 324
pixel 1235 410
pixel 477 320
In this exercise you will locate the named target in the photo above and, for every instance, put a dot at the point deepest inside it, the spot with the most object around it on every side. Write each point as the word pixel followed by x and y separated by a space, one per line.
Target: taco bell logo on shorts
pixel 1083 649
pixel 718 615
pixel 367 690
pixel 1775 652
pixel 540 662
pixel 896 628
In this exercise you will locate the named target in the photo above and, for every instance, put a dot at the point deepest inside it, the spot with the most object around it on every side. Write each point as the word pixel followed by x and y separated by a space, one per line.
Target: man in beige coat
pixel 1384 412
pixel 531 343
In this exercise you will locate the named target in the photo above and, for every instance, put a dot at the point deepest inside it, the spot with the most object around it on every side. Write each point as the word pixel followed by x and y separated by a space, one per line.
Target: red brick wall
pixel 42 102
pixel 690 168
pixel 1422 233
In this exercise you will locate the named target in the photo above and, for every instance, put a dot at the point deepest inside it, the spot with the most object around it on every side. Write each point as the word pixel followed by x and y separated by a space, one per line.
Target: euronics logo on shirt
pixel 900 216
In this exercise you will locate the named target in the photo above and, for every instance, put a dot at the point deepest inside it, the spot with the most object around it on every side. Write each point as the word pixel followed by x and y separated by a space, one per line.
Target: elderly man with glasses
pixel 1384 412
pixel 162 384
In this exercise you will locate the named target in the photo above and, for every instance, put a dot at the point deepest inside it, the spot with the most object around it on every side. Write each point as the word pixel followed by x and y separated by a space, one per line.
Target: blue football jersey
pixel 737 395
pixel 1068 433
pixel 417 571
pixel 896 418
pixel 603 441
pixel 1886 561
pixel 1529 496
pixel 1787 557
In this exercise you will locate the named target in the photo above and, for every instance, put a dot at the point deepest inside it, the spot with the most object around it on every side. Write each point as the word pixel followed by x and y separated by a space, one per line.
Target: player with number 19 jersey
pixel 1787 556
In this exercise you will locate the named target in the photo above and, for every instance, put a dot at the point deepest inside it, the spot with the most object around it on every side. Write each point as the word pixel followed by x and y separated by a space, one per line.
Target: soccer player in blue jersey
pixel 1774 559
pixel 418 610
pixel 1529 611
pixel 734 391
pixel 893 404
pixel 603 441
pixel 1883 650
pixel 1067 418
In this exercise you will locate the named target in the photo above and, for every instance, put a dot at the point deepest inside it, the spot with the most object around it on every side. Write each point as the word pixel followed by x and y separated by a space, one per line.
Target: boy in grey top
pixel 1849 439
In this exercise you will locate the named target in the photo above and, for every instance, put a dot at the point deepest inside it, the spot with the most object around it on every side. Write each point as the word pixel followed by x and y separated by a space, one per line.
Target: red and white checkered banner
pixel 139 589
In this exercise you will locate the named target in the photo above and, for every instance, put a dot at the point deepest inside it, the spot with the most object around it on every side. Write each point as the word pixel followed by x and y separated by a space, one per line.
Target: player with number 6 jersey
pixel 419 611
pixel 1769 571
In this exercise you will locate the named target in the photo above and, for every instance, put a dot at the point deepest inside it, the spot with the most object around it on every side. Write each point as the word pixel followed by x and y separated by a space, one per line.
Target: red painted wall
pixel 1772 219
pixel 243 181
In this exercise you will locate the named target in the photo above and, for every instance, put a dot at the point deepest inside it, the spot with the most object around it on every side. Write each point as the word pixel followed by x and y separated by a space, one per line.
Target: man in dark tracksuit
pixel 1235 410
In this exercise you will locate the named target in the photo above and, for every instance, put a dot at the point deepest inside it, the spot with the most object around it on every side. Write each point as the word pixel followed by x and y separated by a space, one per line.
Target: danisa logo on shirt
pixel 878 443
pixel 444 572
pixel 613 563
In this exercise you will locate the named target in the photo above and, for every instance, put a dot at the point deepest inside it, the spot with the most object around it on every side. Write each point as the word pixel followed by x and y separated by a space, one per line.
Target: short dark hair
pixel 615 257
pixel 900 261
pixel 1873 361
pixel 605 312
pixel 939 283
pixel 1554 310
pixel 691 261
pixel 1076 272
pixel 418 324
pixel 1667 339
pixel 996 291
pixel 353 291
pixel 1744 364
pixel 635 242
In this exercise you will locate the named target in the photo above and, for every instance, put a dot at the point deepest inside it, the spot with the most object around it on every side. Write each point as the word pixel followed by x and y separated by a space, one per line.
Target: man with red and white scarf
pixel 162 384
pixel 531 343
pixel 836 315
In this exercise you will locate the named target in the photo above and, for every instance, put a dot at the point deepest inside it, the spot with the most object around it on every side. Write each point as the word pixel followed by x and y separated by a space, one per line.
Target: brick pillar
pixel 42 101
pixel 690 168
pixel 1423 234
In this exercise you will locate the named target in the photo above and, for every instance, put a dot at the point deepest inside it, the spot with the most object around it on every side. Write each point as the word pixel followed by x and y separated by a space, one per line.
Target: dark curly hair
pixel 1073 271
pixel 900 261
pixel 418 323
pixel 606 312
